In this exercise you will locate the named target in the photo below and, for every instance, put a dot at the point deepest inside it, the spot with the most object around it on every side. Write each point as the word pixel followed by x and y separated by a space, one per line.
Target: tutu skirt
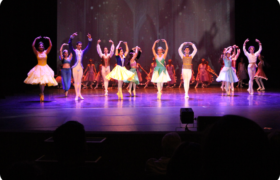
pixel 227 74
pixel 120 73
pixel 160 75
pixel 41 75
pixel 135 78
pixel 90 76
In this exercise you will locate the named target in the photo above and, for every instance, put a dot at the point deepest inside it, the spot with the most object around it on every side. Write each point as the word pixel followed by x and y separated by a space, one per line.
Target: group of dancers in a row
pixel 43 75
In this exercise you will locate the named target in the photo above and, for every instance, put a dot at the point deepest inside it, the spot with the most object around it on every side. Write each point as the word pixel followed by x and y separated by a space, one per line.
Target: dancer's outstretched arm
pixel 260 48
pixel 112 48
pixel 89 44
pixel 50 46
pixel 244 48
pixel 33 45
pixel 71 49
pixel 61 55
pixel 194 49
pixel 180 50
pixel 116 52
pixel 135 54
pixel 99 51
pixel 153 48
pixel 166 50
pixel 126 49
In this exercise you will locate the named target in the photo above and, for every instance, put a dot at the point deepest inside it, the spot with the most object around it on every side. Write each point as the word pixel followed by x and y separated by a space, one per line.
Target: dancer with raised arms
pixel 66 69
pixel 187 64
pixel 119 72
pixel 41 74
pixel 160 74
pixel 105 61
pixel 252 58
pixel 78 66
pixel 227 74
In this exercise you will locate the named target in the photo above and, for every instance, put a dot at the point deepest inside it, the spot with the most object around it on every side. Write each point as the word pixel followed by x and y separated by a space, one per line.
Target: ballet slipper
pixel 106 93
pixel 186 96
pixel 118 94
pixel 81 96
pixel 129 91
pixel 262 89
pixel 40 97
pixel 259 89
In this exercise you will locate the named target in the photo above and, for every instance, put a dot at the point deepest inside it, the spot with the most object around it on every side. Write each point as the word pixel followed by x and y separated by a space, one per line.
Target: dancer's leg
pixel 42 88
pixel 104 73
pixel 134 89
pixel 80 76
pixel 129 88
pixel 227 88
pixel 251 72
pixel 257 81
pixel 120 83
pixel 261 82
pixel 186 73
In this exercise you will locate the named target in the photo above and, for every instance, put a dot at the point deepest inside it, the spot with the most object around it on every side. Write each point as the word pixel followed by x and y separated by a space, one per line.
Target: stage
pixel 24 112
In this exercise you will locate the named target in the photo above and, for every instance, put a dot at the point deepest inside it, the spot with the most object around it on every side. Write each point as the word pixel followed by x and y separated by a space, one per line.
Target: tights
pixel 104 72
pixel 120 83
pixel 134 86
pixel 187 74
pixel 78 74
pixel 251 72
pixel 159 87
pixel 260 83
pixel 42 88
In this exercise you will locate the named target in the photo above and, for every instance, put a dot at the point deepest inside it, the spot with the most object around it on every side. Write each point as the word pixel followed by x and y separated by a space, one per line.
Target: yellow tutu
pixel 120 73
pixel 41 75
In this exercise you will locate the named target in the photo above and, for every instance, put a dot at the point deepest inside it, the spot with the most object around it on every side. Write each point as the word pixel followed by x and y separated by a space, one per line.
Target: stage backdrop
pixel 209 24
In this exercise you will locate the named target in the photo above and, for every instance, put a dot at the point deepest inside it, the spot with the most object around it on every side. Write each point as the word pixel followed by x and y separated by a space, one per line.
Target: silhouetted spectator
pixel 274 152
pixel 24 170
pixel 234 148
pixel 185 162
pixel 169 143
pixel 70 149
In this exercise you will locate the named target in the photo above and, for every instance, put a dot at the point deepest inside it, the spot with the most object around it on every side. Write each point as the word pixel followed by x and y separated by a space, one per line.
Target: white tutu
pixel 227 74
pixel 41 75
pixel 162 78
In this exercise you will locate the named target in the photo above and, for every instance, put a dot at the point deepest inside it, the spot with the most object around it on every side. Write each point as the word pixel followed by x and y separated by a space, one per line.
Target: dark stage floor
pixel 23 112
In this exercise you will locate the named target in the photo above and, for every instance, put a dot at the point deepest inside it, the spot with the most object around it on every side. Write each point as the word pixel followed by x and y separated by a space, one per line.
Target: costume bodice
pixel 227 62
pixel 42 58
pixel 187 62
pixel 160 61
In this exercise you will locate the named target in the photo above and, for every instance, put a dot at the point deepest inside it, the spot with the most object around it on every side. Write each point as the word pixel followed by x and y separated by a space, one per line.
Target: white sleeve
pixel 112 50
pixel 245 51
pixel 180 51
pixel 194 51
pixel 259 51
pixel 99 51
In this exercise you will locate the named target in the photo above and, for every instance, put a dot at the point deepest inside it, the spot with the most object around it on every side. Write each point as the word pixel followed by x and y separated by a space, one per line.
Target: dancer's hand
pixel 74 34
pixel 65 44
pixel 157 41
pixel 246 40
pixel 39 37
pixel 98 41
pixel 89 36
pixel 258 41
pixel 110 41
pixel 190 43
pixel 163 40
pixel 46 37
pixel 125 43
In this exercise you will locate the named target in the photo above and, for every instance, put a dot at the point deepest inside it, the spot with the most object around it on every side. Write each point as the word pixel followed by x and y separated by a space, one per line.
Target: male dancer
pixel 77 69
pixel 105 61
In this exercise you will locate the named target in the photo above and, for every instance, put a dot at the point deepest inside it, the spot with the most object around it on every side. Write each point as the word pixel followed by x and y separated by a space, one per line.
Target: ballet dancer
pixel 149 77
pixel 241 72
pixel 187 59
pixel 202 75
pixel 78 66
pixel 260 75
pixel 227 74
pixel 120 73
pixel 105 61
pixel 210 73
pixel 233 63
pixel 98 77
pixel 252 58
pixel 171 71
pixel 41 74
pixel 66 69
pixel 133 66
pixel 160 75
pixel 89 75
pixel 139 72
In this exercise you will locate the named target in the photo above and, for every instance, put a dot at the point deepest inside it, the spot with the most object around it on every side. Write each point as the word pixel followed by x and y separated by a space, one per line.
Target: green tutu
pixel 135 78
